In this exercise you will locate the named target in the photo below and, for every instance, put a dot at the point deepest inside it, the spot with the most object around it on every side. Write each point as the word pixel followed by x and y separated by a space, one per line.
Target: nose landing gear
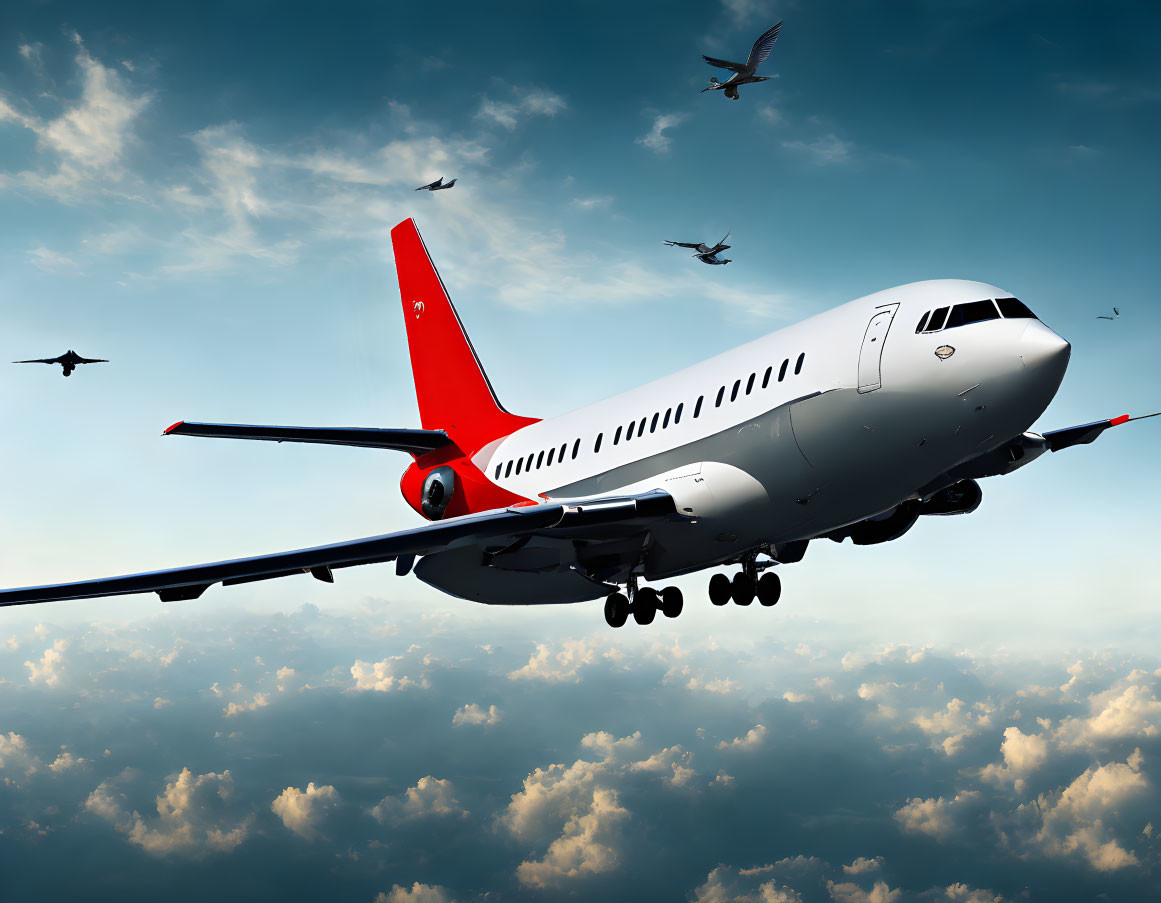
pixel 643 604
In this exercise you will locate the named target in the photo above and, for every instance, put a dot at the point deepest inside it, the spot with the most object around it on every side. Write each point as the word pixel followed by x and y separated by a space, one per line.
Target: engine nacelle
pixel 963 497
pixel 439 487
pixel 884 528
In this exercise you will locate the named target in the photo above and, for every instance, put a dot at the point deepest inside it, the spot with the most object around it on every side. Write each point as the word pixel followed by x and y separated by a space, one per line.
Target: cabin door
pixel 871 354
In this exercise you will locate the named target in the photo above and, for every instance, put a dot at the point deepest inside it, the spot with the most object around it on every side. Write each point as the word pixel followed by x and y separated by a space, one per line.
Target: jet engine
pixel 439 487
pixel 963 497
pixel 883 528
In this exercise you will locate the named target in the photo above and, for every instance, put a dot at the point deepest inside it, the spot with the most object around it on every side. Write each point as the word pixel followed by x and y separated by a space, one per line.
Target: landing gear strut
pixel 643 604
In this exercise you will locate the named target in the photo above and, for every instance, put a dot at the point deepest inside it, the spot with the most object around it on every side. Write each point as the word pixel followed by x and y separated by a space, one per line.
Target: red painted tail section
pixel 450 384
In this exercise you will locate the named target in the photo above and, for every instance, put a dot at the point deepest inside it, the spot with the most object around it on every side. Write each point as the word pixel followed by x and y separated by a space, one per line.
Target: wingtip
pixel 169 429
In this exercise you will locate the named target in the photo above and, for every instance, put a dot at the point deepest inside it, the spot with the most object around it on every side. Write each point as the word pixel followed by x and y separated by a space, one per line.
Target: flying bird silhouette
pixel 437 185
pixel 1116 314
pixel 743 72
pixel 68 361
pixel 705 253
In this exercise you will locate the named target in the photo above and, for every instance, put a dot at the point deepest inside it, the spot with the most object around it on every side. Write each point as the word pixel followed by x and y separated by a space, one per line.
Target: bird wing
pixel 684 244
pixel 1099 318
pixel 40 360
pixel 762 48
pixel 430 185
pixel 721 245
pixel 724 64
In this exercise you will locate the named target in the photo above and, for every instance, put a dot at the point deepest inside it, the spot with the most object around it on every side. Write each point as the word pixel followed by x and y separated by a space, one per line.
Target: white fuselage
pixel 819 425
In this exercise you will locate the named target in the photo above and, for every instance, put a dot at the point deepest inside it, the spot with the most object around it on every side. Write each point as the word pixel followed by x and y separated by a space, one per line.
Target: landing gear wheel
pixel 719 589
pixel 769 589
pixel 616 610
pixel 742 589
pixel 644 606
pixel 671 601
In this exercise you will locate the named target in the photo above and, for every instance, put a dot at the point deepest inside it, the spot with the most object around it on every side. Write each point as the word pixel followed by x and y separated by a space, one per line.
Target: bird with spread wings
pixel 705 253
pixel 68 361
pixel 744 73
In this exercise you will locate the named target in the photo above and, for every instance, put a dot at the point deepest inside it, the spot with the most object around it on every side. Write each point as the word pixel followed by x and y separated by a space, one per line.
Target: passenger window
pixel 734 390
pixel 721 395
pixel 539 460
pixel 766 377
pixel 972 312
pixel 519 464
pixel 653 423
pixel 617 437
pixel 498 466
pixel 750 383
pixel 641 428
pixel 575 449
pixel 697 407
pixel 677 414
pixel 665 422
pixel 597 444
pixel 922 322
pixel 563 448
pixel 551 452
pixel 798 363
pixel 937 318
pixel 629 432
pixel 1014 309
pixel 528 465
pixel 508 469
pixel 782 370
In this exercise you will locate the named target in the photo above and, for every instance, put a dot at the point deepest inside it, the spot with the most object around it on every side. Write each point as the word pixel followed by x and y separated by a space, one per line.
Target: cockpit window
pixel 922 322
pixel 936 321
pixel 972 312
pixel 1014 309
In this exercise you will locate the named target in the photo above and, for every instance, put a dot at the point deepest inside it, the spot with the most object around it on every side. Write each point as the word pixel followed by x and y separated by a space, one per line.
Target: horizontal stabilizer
pixel 415 442
pixel 1085 433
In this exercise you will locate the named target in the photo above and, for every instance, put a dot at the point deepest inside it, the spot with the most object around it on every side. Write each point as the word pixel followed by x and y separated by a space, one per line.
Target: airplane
pixel 437 185
pixel 68 361
pixel 851 424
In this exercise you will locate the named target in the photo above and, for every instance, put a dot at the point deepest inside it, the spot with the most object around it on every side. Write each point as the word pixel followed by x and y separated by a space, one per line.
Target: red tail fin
pixel 453 391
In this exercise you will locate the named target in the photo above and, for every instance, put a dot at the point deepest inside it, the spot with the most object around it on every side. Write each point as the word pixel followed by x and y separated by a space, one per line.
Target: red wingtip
pixel 1117 421
pixel 171 428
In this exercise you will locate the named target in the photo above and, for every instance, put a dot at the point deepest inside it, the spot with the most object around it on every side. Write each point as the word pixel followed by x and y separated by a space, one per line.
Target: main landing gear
pixel 746 585
pixel 643 604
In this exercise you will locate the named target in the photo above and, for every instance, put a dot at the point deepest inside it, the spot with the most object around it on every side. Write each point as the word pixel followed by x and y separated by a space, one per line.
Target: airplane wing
pixel 92 360
pixel 502 526
pixel 684 244
pixel 430 185
pixel 1085 433
pixel 416 442
pixel 762 47
pixel 40 360
pixel 724 64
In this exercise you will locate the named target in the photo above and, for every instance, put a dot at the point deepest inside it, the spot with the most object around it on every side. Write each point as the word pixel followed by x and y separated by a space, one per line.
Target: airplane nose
pixel 1044 353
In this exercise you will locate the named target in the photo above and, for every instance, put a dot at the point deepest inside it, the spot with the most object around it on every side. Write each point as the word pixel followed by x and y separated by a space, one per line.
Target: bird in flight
pixel 1116 314
pixel 705 253
pixel 437 185
pixel 68 361
pixel 743 72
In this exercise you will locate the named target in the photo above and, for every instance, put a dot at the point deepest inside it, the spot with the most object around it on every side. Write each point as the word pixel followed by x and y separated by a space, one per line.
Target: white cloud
pixel 473 714
pixel 16 756
pixel 66 761
pixel 962 893
pixel 935 817
pixel 950 727
pixel 418 893
pixel 827 150
pixel 563 665
pixel 795 698
pixel 656 139
pixel 1022 754
pixel 769 114
pixel 726 884
pixel 303 811
pixel 380 676
pixel 193 815
pixel 753 739
pixel 89 138
pixel 260 700
pixel 587 846
pixel 51 261
pixel 1076 821
pixel 48 670
pixel 531 103
pixel 429 797
pixel 852 893
pixel 601 202
pixel 863 866
pixel 1128 710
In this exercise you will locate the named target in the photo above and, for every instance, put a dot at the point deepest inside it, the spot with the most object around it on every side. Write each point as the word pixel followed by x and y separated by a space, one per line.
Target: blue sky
pixel 203 193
